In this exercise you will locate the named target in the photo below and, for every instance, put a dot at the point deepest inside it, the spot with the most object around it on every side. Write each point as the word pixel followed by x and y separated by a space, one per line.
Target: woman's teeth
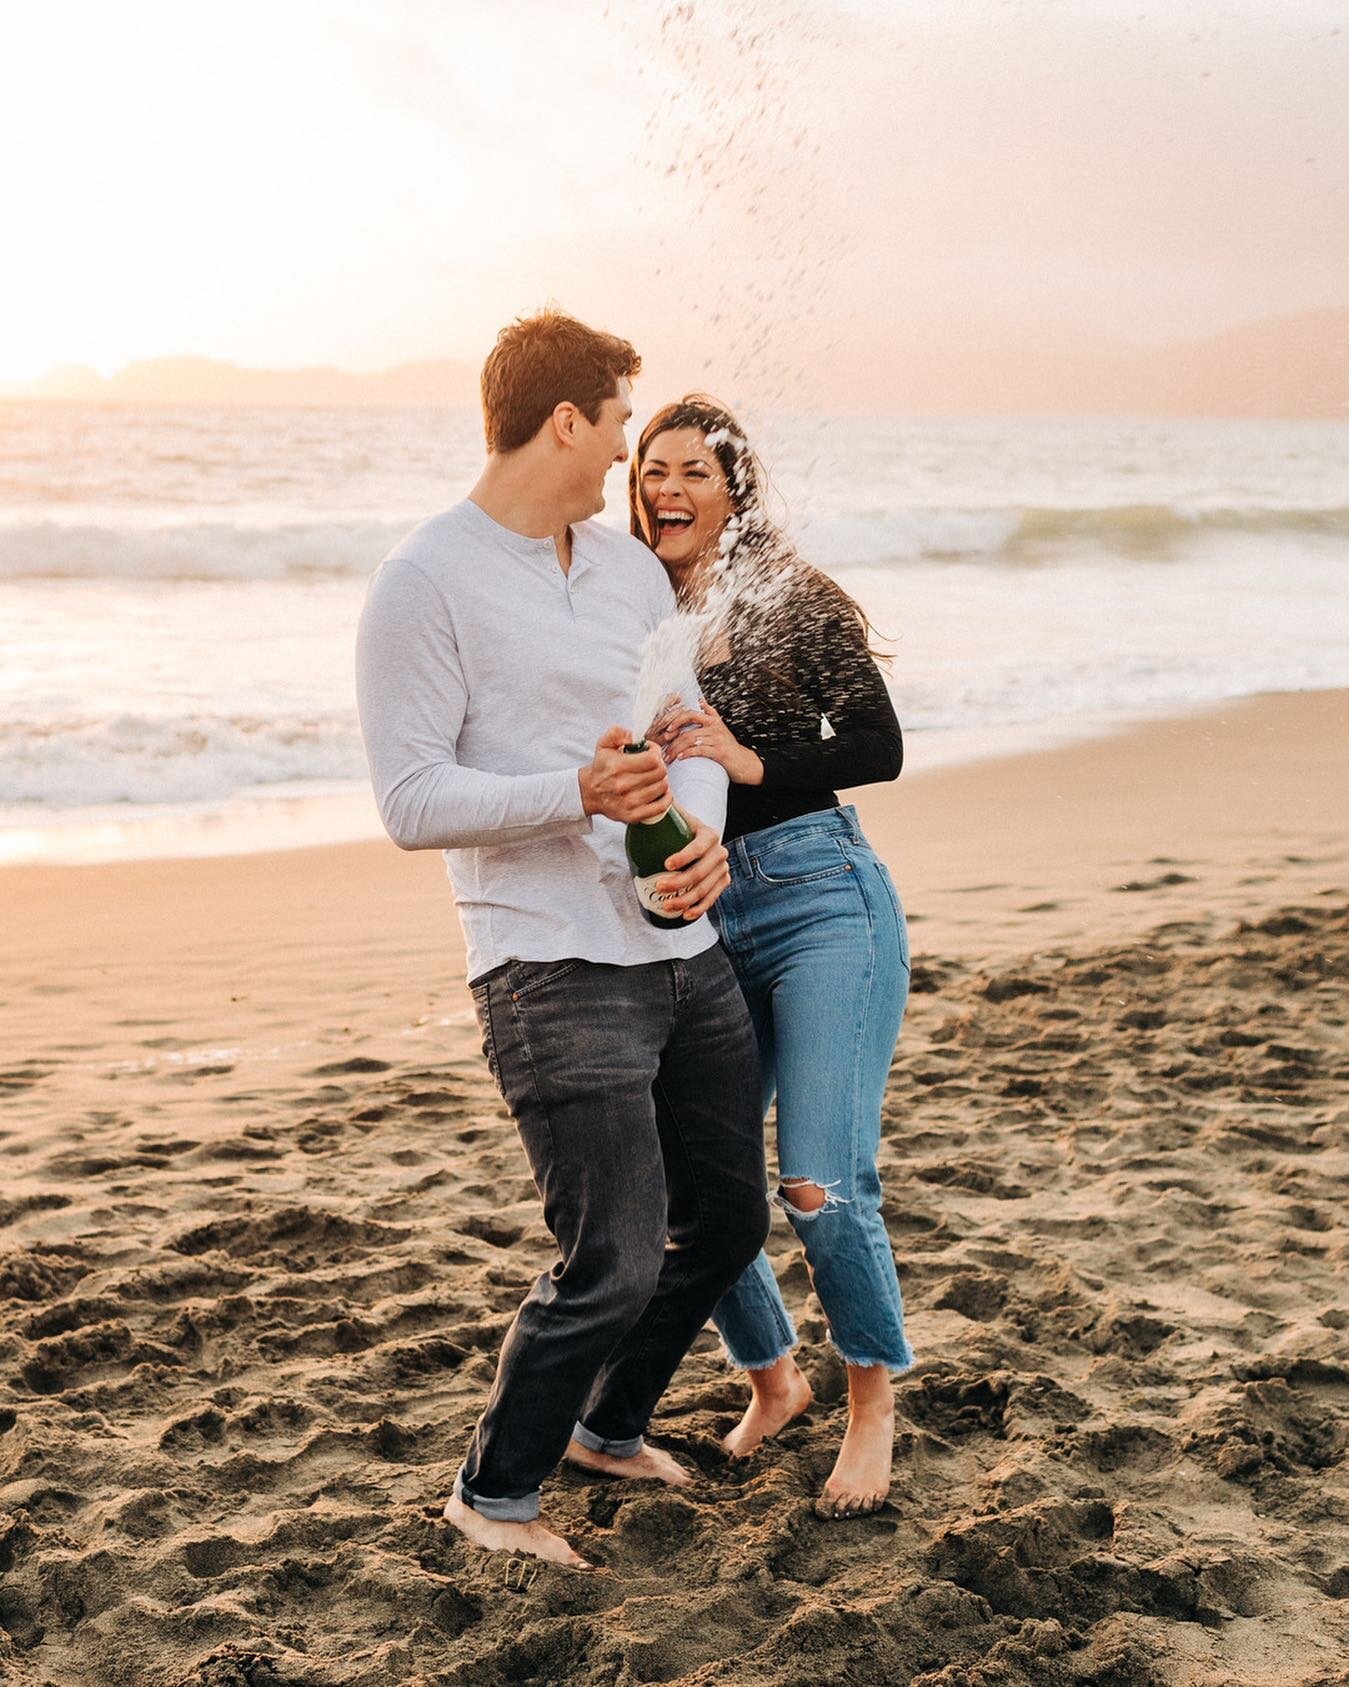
pixel 673 520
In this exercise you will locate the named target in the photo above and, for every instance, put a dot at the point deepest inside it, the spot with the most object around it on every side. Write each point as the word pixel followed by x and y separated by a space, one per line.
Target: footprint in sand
pixel 31 1275
pixel 54 1366
pixel 1066 1560
pixel 972 1177
pixel 493 1228
pixel 977 1295
pixel 954 1405
pixel 294 1235
pixel 1132 1447
pixel 12 1211
pixel 15 1079
pixel 1255 1430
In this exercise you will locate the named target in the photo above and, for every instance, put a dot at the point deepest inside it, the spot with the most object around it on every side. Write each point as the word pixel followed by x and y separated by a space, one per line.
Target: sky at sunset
pixel 337 182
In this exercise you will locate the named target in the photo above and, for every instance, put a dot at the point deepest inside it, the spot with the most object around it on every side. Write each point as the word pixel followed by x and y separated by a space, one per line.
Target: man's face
pixel 604 443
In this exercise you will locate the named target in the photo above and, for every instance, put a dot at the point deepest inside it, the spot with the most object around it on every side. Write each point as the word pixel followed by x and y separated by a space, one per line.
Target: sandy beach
pixel 264 1220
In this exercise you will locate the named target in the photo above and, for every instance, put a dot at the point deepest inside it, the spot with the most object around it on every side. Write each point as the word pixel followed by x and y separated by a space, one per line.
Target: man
pixel 499 643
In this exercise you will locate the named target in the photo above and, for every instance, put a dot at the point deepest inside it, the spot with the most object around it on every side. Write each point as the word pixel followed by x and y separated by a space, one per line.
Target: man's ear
pixel 564 421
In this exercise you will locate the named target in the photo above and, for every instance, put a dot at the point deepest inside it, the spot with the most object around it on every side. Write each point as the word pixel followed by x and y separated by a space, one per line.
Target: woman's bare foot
pixel 650 1464
pixel 493 1536
pixel 778 1393
pixel 860 1480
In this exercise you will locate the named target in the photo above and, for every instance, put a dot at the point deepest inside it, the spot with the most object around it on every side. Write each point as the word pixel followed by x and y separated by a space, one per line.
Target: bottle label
pixel 651 899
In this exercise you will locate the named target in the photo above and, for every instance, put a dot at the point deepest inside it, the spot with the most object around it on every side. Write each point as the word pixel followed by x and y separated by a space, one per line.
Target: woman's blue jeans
pixel 815 932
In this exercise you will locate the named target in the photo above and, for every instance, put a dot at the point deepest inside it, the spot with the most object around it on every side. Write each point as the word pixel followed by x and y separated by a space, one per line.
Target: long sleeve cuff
pixel 699 786
pixel 860 757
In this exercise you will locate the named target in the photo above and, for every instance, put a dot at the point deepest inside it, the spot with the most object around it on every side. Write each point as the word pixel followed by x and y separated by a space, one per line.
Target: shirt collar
pixel 537 550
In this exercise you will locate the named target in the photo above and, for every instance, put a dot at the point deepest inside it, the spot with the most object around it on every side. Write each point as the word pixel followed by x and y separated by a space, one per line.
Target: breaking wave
pixel 212 550
pixel 1047 534
pixel 134 758
pixel 219 550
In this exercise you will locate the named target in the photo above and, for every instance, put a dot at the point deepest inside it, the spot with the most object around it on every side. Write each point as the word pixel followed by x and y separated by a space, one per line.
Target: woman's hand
pixel 702 732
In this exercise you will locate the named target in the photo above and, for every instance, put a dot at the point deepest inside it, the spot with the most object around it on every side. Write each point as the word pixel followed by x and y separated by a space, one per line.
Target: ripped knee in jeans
pixel 808 1199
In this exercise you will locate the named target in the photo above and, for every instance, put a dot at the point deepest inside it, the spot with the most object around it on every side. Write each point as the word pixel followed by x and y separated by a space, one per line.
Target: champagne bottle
pixel 649 843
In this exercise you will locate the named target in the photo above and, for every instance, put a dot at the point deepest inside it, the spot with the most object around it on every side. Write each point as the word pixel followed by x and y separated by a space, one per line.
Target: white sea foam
pixel 193 550
pixel 184 759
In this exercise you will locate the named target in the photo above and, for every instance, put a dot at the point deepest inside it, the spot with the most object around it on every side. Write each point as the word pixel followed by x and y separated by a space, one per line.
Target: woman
pixel 810 920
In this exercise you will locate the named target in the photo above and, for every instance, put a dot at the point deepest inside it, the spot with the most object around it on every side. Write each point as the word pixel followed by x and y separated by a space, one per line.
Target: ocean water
pixel 179 590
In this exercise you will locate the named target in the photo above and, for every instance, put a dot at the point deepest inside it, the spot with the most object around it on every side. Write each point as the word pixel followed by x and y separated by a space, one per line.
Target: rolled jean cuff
pixel 514 1508
pixel 597 1444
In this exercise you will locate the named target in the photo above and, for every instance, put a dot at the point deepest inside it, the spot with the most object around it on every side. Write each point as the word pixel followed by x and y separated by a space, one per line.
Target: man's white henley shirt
pixel 484 677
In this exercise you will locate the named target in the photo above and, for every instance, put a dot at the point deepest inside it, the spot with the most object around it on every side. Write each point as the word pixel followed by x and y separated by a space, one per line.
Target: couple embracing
pixel 497 666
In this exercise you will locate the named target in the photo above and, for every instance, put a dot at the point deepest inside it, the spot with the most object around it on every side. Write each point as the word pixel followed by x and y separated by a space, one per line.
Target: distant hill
pixel 206 380
pixel 1292 366
pixel 1283 366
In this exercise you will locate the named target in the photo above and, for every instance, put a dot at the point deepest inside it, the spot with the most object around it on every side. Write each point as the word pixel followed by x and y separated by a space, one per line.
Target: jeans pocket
pixel 903 924
pixel 869 864
pixel 800 860
pixel 524 977
pixel 482 1006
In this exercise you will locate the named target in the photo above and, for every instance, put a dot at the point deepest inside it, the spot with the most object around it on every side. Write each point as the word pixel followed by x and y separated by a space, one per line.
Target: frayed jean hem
pixel 757 1364
pixel 895 1370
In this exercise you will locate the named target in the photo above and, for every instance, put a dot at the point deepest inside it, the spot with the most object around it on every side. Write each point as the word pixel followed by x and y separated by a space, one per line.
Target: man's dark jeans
pixel 636 1094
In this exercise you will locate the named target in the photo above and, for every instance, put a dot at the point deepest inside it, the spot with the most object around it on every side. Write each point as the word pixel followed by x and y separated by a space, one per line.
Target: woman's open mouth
pixel 672 521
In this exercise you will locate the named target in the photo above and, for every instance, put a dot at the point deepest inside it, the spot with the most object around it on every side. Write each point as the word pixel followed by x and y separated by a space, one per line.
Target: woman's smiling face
pixel 686 499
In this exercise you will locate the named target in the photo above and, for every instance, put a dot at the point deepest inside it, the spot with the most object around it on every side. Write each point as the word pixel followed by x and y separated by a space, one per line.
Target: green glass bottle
pixel 649 843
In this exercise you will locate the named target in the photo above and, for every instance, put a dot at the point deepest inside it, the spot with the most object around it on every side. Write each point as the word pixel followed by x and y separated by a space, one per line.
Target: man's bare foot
pixel 650 1464
pixel 778 1394
pixel 493 1536
pixel 860 1479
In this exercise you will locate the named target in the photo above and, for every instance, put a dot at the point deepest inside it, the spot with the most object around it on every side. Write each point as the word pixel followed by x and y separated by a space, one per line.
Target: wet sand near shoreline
pixel 263 1222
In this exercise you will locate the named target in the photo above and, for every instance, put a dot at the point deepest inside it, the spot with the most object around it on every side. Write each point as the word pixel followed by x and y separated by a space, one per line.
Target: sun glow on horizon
pixel 273 183
pixel 321 182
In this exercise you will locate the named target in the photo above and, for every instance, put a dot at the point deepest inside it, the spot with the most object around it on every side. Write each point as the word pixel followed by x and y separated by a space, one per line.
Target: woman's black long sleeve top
pixel 803 659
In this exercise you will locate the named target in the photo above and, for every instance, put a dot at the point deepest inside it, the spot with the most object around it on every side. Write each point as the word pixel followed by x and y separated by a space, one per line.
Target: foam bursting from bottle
pixel 735 138
pixel 738 149
pixel 749 583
